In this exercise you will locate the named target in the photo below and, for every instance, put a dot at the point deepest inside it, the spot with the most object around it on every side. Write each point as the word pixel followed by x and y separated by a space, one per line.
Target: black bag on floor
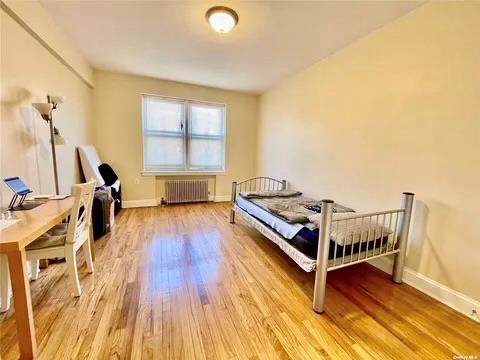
pixel 101 213
pixel 109 175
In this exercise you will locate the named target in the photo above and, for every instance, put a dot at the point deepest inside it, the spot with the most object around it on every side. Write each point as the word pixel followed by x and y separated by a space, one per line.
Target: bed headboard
pixel 258 183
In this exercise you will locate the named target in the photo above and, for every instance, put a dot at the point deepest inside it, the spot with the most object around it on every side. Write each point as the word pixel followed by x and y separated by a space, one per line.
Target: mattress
pixel 304 252
pixel 307 243
pixel 90 162
pixel 303 237
pixel 287 230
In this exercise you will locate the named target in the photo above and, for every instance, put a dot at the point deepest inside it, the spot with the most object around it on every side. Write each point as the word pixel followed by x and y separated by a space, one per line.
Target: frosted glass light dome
pixel 222 19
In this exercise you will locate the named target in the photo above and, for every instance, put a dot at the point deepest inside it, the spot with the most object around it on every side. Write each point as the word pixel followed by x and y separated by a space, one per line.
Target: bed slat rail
pixel 372 232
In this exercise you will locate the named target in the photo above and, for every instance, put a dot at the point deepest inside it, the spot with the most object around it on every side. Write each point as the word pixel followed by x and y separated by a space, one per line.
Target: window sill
pixel 181 173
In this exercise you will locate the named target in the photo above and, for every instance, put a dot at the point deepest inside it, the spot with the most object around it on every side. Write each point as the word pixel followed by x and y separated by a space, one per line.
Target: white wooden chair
pixel 64 240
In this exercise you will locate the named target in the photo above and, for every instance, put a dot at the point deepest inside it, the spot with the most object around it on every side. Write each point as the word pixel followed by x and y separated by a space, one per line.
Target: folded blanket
pixel 293 209
pixel 269 193
pixel 355 230
pixel 337 208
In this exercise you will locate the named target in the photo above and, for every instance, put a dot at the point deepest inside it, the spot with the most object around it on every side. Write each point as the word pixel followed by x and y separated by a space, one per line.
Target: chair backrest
pixel 81 214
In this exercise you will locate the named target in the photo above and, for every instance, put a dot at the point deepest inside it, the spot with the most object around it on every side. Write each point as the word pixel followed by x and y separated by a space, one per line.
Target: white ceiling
pixel 172 40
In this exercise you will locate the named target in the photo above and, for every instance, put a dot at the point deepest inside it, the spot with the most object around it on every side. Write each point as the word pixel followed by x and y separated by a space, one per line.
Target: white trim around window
pixel 182 136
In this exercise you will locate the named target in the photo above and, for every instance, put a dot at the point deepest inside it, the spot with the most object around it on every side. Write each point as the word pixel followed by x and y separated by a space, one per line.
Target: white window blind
pixel 182 135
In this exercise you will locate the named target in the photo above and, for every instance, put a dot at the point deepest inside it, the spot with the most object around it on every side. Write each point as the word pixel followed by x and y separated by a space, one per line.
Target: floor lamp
pixel 45 110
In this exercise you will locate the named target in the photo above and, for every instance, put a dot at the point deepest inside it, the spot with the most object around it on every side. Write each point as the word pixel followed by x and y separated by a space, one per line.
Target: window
pixel 182 135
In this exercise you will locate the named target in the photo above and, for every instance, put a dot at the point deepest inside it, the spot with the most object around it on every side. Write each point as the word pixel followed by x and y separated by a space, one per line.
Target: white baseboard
pixel 452 298
pixel 219 198
pixel 222 198
pixel 139 203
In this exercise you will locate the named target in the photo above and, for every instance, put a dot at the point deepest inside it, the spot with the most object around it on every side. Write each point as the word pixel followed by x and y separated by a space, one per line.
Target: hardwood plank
pixel 180 282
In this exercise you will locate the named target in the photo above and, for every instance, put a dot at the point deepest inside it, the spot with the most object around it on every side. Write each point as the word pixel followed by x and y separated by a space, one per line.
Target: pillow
pixel 352 231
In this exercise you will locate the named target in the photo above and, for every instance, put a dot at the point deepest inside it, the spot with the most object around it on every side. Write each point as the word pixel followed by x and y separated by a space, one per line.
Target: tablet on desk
pixel 17 186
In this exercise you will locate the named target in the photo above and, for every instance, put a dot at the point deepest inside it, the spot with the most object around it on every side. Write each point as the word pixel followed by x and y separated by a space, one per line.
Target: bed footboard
pixel 259 183
pixel 373 235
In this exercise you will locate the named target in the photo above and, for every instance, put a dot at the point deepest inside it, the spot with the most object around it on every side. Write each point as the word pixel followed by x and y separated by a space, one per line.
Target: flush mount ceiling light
pixel 221 18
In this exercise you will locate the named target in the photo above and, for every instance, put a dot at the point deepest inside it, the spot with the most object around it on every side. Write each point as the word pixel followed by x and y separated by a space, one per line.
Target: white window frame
pixel 185 170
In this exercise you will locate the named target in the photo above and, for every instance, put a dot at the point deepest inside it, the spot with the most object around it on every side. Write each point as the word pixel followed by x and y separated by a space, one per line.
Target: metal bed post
pixel 322 256
pixel 284 184
pixel 399 262
pixel 234 194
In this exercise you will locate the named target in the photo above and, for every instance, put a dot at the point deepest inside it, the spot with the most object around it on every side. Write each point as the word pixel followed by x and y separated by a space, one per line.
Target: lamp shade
pixel 45 109
pixel 55 100
pixel 58 138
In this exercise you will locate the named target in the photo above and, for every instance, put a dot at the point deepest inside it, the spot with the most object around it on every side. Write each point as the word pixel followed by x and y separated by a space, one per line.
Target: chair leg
pixel 88 256
pixel 35 268
pixel 71 260
pixel 4 284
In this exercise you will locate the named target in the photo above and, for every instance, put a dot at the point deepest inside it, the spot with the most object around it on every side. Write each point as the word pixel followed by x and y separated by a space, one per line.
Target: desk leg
pixel 92 243
pixel 17 264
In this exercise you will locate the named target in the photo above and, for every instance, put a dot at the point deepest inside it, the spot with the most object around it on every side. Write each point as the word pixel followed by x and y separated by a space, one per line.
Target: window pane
pixel 206 119
pixel 163 115
pixel 206 153
pixel 172 145
pixel 163 151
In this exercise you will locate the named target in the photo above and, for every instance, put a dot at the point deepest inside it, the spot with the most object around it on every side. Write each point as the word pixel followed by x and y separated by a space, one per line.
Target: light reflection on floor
pixel 176 259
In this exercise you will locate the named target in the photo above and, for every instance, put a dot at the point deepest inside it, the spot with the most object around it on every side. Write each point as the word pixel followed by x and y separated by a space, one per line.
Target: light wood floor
pixel 180 282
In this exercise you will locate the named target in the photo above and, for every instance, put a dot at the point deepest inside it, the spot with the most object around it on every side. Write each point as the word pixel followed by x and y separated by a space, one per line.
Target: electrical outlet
pixel 137 181
pixel 474 315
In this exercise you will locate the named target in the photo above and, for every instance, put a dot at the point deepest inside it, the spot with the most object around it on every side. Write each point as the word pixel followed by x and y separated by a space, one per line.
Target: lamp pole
pixel 45 110
pixel 54 155
pixel 52 142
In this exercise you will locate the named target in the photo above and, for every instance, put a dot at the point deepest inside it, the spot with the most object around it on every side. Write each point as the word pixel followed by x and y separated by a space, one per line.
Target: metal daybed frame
pixel 397 220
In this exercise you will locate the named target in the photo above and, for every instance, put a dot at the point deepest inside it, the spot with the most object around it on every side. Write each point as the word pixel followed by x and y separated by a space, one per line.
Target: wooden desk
pixel 13 241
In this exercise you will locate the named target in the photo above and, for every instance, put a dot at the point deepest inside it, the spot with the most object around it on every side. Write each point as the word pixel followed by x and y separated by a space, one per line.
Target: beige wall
pixel 118 130
pixel 398 110
pixel 32 13
pixel 28 73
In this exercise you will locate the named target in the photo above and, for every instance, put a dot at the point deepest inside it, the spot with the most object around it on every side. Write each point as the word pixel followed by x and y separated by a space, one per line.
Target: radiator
pixel 183 191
